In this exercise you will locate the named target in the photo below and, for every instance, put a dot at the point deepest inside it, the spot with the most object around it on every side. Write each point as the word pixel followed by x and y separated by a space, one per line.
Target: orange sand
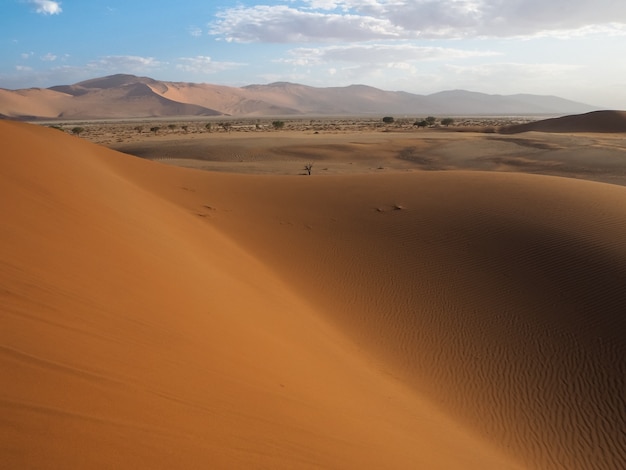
pixel 160 317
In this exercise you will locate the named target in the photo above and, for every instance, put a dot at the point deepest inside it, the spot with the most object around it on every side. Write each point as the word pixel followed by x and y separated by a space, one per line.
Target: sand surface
pixel 357 146
pixel 160 317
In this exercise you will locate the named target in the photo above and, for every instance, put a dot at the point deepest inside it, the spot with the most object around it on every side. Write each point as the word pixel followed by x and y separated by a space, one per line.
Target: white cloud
pixel 47 7
pixel 26 55
pixel 23 68
pixel 195 31
pixel 282 24
pixel 49 57
pixel 124 64
pixel 204 64
pixel 358 20
pixel 379 54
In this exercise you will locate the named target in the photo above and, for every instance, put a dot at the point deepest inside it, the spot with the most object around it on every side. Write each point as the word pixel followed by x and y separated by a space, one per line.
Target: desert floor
pixel 356 146
pixel 399 308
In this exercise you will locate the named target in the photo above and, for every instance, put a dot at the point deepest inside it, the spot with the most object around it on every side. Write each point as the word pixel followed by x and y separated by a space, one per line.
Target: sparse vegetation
pixel 208 126
pixel 388 120
pixel 431 120
pixel 184 128
pixel 226 126
pixel 155 129
pixel 171 127
pixel 308 167
pixel 139 129
pixel 78 130
pixel 278 124
pixel 421 123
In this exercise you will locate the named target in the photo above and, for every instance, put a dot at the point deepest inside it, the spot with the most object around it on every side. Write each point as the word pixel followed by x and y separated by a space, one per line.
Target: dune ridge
pixel 135 335
pixel 410 320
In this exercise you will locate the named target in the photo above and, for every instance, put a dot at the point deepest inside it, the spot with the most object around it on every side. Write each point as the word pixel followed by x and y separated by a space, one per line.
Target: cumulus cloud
pixel 204 64
pixel 358 20
pixel 283 24
pixel 46 7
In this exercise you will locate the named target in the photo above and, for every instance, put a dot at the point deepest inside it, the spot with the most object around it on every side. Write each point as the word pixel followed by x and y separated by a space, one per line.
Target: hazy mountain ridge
pixel 129 96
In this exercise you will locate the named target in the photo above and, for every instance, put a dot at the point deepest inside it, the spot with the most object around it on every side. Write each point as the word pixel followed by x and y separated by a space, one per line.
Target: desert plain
pixel 440 298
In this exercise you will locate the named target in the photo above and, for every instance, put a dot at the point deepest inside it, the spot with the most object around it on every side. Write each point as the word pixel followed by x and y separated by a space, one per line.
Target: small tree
pixel 388 120
pixel 208 126
pixel 184 128
pixel 421 123
pixel 77 130
pixel 431 120
pixel 447 121
pixel 226 126
pixel 155 129
pixel 308 167
pixel 139 129
pixel 171 127
pixel 278 124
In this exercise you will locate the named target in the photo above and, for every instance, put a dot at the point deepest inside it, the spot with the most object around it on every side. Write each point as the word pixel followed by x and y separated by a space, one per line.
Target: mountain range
pixel 128 96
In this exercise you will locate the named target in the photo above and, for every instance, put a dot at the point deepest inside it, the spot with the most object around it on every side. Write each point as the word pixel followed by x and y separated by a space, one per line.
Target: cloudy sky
pixel 575 49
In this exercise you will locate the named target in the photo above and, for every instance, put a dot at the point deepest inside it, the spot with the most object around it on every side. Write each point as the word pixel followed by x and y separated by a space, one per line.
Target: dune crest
pixel 595 121
pixel 137 335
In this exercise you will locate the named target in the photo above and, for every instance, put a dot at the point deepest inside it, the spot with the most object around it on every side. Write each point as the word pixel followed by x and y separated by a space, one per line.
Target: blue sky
pixel 571 48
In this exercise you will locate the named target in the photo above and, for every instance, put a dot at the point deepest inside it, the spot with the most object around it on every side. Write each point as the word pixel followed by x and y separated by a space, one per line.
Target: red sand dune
pixel 158 317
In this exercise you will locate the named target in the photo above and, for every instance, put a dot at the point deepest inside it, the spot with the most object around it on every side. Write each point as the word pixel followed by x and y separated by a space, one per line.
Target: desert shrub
pixel 278 124
pixel 447 121
pixel 78 130
pixel 388 119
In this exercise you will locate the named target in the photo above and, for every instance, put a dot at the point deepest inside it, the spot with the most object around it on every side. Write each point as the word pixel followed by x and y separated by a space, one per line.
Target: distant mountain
pixel 127 96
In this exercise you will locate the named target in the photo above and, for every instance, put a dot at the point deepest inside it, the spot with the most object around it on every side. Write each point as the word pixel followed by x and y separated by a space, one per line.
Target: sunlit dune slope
pixel 34 102
pixel 135 334
pixel 499 296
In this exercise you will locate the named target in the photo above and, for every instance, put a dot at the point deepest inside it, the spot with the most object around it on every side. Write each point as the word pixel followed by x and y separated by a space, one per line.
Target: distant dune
pixel 160 317
pixel 595 121
pixel 127 96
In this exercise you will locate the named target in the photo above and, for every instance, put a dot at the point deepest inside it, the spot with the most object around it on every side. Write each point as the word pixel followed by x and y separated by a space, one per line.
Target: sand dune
pixel 135 335
pixel 595 121
pixel 157 316
pixel 107 98
pixel 32 103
